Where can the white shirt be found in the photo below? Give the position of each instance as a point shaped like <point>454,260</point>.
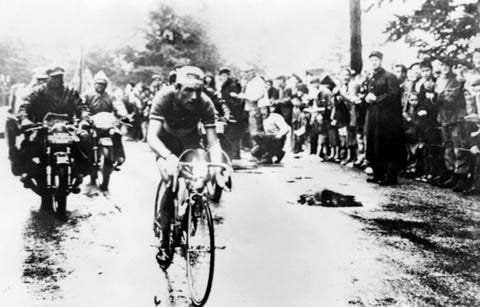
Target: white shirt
<point>274,124</point>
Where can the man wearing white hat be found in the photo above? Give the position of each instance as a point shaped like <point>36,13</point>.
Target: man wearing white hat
<point>270,144</point>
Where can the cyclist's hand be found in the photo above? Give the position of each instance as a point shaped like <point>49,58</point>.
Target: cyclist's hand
<point>219,178</point>
<point>171,165</point>
<point>25,124</point>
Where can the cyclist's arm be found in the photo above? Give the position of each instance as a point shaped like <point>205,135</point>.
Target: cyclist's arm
<point>213,144</point>
<point>153,138</point>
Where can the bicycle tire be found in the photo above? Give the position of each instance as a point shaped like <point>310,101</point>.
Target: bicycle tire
<point>199,299</point>
<point>156,208</point>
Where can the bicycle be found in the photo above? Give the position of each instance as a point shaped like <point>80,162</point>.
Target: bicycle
<point>192,229</point>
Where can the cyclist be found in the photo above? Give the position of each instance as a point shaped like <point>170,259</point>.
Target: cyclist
<point>173,127</point>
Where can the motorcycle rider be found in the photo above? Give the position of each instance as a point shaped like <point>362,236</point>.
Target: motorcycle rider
<point>173,127</point>
<point>99,100</point>
<point>53,97</point>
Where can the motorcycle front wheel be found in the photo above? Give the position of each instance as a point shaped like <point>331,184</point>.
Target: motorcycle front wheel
<point>60,199</point>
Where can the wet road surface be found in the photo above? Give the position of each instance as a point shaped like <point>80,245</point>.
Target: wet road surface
<point>283,239</point>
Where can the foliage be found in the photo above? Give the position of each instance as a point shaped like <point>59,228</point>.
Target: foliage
<point>174,40</point>
<point>438,27</point>
<point>15,61</point>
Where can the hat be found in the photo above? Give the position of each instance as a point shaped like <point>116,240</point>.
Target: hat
<point>40,73</point>
<point>315,80</point>
<point>57,71</point>
<point>263,102</point>
<point>328,82</point>
<point>377,54</point>
<point>224,70</point>
<point>296,77</point>
<point>476,82</point>
<point>449,61</point>
<point>190,76</point>
<point>100,77</point>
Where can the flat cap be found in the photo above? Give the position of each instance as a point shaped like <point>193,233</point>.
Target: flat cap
<point>476,82</point>
<point>224,70</point>
<point>377,54</point>
<point>315,80</point>
<point>56,71</point>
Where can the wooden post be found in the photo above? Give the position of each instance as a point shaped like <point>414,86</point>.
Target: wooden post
<point>80,70</point>
<point>355,36</point>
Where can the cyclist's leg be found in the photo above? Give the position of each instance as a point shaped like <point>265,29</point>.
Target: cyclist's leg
<point>166,215</point>
<point>167,200</point>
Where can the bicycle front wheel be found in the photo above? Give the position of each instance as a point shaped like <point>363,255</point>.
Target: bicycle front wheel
<point>200,256</point>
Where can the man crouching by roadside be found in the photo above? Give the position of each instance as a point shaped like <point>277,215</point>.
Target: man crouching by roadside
<point>270,143</point>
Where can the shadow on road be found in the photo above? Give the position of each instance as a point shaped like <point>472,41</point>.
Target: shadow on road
<point>44,237</point>
<point>442,231</point>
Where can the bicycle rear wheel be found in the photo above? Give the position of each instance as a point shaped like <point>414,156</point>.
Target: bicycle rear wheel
<point>200,253</point>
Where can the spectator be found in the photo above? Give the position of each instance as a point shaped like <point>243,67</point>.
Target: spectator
<point>452,109</point>
<point>385,134</point>
<point>270,144</point>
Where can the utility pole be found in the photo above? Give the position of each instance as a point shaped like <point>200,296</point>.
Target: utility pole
<point>80,69</point>
<point>355,36</point>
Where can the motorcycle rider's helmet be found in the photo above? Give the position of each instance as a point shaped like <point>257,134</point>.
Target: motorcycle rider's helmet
<point>190,76</point>
<point>100,77</point>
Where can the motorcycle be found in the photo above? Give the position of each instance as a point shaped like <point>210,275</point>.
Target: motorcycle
<point>55,180</point>
<point>104,130</point>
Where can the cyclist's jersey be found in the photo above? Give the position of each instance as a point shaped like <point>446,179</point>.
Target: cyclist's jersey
<point>179,117</point>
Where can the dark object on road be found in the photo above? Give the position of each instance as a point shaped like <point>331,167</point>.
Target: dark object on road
<point>329,198</point>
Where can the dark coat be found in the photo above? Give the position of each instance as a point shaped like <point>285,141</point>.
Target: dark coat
<point>385,128</point>
<point>451,102</point>
<point>44,99</point>
<point>273,93</point>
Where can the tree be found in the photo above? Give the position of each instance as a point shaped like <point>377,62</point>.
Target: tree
<point>174,40</point>
<point>16,61</point>
<point>116,64</point>
<point>438,28</point>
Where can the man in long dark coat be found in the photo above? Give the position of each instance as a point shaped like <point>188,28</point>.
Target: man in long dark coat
<point>386,146</point>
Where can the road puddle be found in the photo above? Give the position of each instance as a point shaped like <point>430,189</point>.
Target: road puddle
<point>328,198</point>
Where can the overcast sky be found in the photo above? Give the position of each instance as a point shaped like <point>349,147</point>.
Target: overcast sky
<point>285,35</point>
